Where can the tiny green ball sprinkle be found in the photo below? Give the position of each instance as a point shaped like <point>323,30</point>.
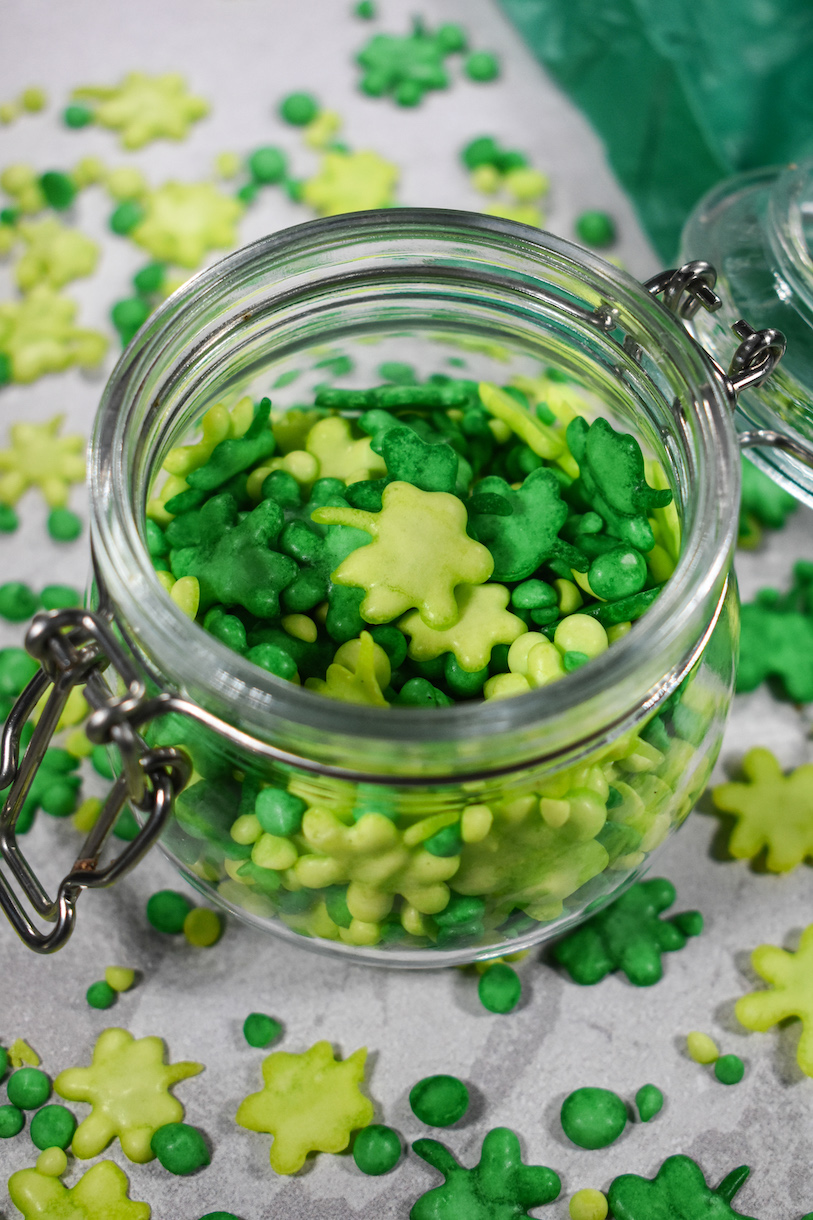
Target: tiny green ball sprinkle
<point>63,525</point>
<point>12,1121</point>
<point>595,229</point>
<point>167,910</point>
<point>593,1118</point>
<point>220,1216</point>
<point>28,1088</point>
<point>299,109</point>
<point>52,1127</point>
<point>58,189</point>
<point>180,1148</point>
<point>260,1030</point>
<point>365,9</point>
<point>267,165</point>
<point>729,1069</point>
<point>60,597</point>
<point>17,601</point>
<point>9,521</point>
<point>129,315</point>
<point>439,1101</point>
<point>499,988</point>
<point>447,842</point>
<point>649,1100</point>
<point>126,827</point>
<point>5,369</point>
<point>126,216</point>
<point>100,995</point>
<point>149,279</point>
<point>481,66</point>
<point>377,1149</point>
<point>77,116</point>
<point>279,812</point>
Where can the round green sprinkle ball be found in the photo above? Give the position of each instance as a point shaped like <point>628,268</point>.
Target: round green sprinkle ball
<point>220,1216</point>
<point>58,189</point>
<point>9,521</point>
<point>100,995</point>
<point>77,116</point>
<point>365,9</point>
<point>180,1148</point>
<point>150,278</point>
<point>260,1030</point>
<point>126,216</point>
<point>59,597</point>
<point>499,988</point>
<point>439,1101</point>
<point>167,910</point>
<point>279,812</point>
<point>595,229</point>
<point>128,316</point>
<point>5,369</point>
<point>617,573</point>
<point>649,1100</point>
<point>17,601</point>
<point>52,1127</point>
<point>447,842</point>
<point>12,1121</point>
<point>481,66</point>
<point>267,165</point>
<point>63,525</point>
<point>299,109</point>
<point>593,1118</point>
<point>377,1149</point>
<point>126,827</point>
<point>28,1088</point>
<point>729,1069</point>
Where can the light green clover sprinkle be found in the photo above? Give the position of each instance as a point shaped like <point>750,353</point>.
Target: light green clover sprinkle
<point>420,552</point>
<point>38,336</point>
<point>101,1194</point>
<point>39,457</point>
<point>144,108</point>
<point>357,676</point>
<point>184,221</point>
<point>484,621</point>
<point>772,811</point>
<point>351,182</point>
<point>340,454</point>
<point>54,255</point>
<point>790,976</point>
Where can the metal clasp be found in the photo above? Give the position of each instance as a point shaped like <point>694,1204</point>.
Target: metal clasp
<point>74,647</point>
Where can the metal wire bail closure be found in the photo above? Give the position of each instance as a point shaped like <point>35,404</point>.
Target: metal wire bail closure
<point>73,648</point>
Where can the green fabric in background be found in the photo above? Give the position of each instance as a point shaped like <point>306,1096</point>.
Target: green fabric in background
<point>682,92</point>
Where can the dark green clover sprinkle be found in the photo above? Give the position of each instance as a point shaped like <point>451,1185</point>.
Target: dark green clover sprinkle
<point>58,189</point>
<point>60,597</point>
<point>12,1121</point>
<point>180,1148</point>
<point>439,1101</point>
<point>649,1100</point>
<point>481,66</point>
<point>260,1030</point>
<point>267,165</point>
<point>397,372</point>
<point>28,1088</point>
<point>100,995</point>
<point>167,910</point>
<point>499,988</point>
<point>593,1118</point>
<point>149,279</point>
<point>77,116</point>
<point>17,601</point>
<point>126,216</point>
<point>52,1127</point>
<point>9,521</point>
<point>63,525</point>
<point>299,109</point>
<point>377,1149</point>
<point>450,37</point>
<point>729,1069</point>
<point>279,812</point>
<point>595,229</point>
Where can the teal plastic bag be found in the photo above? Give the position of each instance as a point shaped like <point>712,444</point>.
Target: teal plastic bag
<point>682,92</point>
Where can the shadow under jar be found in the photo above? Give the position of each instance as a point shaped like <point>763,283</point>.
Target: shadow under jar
<point>580,780</point>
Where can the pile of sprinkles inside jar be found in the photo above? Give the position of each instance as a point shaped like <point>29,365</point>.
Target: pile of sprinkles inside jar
<point>415,544</point>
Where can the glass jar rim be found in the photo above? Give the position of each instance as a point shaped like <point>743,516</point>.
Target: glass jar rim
<point>627,668</point>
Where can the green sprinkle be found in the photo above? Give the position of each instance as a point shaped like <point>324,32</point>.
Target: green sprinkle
<point>279,812</point>
<point>499,988</point>
<point>52,1127</point>
<point>60,597</point>
<point>12,1121</point>
<point>649,1100</point>
<point>299,109</point>
<point>17,601</point>
<point>439,1101</point>
<point>63,525</point>
<point>126,827</point>
<point>28,1088</point>
<point>180,1148</point>
<point>167,910</point>
<point>729,1069</point>
<point>58,189</point>
<point>397,372</point>
<point>365,9</point>
<point>9,521</point>
<point>3,1062</point>
<point>129,316</point>
<point>5,369</point>
<point>77,116</point>
<point>595,229</point>
<point>267,165</point>
<point>446,842</point>
<point>100,995</point>
<point>126,216</point>
<point>260,1030</point>
<point>481,66</point>
<point>377,1149</point>
<point>593,1118</point>
<point>149,279</point>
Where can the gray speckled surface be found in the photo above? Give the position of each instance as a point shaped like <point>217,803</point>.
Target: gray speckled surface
<point>243,54</point>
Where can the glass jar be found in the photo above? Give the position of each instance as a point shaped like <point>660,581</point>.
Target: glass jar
<point>757,231</point>
<point>559,796</point>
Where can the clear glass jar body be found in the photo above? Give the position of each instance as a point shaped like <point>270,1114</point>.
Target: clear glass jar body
<point>561,794</point>
<point>756,229</point>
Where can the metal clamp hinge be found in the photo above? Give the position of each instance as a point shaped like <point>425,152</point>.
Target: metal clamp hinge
<point>73,648</point>
<point>691,286</point>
